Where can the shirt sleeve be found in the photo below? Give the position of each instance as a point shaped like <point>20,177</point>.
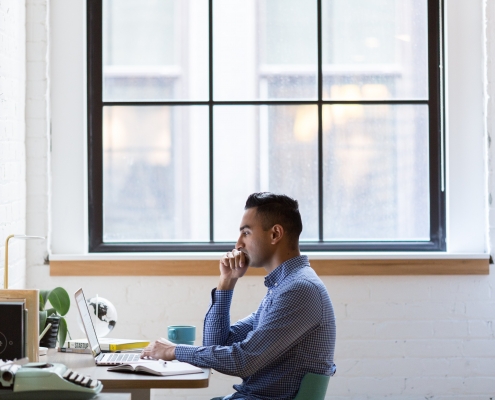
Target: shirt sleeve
<point>286,319</point>
<point>217,329</point>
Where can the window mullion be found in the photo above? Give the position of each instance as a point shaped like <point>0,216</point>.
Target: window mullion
<point>210,110</point>
<point>320,124</point>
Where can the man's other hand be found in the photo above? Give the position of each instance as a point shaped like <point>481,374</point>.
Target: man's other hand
<point>161,349</point>
<point>233,265</point>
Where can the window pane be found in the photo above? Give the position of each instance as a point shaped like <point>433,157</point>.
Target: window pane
<point>264,49</point>
<point>155,50</point>
<point>375,49</point>
<point>264,148</point>
<point>155,174</point>
<point>376,178</point>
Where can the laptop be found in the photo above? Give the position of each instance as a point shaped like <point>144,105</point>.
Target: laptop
<point>101,359</point>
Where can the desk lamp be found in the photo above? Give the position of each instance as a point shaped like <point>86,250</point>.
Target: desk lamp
<point>6,267</point>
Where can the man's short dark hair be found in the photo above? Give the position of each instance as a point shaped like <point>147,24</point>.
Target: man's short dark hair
<point>277,209</point>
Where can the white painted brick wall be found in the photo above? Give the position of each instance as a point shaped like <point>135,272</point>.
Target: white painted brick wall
<point>12,137</point>
<point>490,112</point>
<point>421,337</point>
<point>37,128</point>
<point>398,337</point>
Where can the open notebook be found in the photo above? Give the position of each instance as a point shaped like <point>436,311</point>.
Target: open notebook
<point>158,367</point>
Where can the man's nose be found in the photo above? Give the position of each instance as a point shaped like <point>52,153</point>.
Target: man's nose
<point>239,243</point>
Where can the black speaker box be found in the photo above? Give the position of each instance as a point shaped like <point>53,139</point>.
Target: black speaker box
<point>12,330</point>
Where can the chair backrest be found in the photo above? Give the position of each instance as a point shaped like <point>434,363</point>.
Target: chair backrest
<point>313,387</point>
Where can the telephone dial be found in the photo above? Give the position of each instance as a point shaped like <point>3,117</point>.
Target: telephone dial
<point>40,381</point>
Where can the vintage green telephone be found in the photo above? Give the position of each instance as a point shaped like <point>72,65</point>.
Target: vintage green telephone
<point>39,381</point>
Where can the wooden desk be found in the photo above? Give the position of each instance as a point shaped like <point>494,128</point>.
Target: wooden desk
<point>138,385</point>
<point>112,396</point>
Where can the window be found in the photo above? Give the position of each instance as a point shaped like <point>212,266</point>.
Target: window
<point>195,104</point>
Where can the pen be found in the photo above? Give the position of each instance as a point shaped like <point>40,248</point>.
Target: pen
<point>71,350</point>
<point>137,351</point>
<point>48,326</point>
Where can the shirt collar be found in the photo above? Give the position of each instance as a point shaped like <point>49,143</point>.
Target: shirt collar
<point>275,277</point>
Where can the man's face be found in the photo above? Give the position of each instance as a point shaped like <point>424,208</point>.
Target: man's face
<point>253,241</point>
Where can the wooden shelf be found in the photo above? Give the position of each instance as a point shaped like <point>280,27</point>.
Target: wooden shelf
<point>322,267</point>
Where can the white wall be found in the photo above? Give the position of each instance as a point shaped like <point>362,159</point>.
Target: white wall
<point>37,129</point>
<point>465,131</point>
<point>490,111</point>
<point>12,137</point>
<point>398,337</point>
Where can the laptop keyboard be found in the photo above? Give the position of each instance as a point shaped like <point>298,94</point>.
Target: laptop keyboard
<point>123,357</point>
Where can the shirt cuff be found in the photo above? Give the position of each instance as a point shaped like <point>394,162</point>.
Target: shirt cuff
<point>220,301</point>
<point>185,353</point>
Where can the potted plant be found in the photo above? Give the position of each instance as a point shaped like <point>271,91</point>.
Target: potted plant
<point>54,305</point>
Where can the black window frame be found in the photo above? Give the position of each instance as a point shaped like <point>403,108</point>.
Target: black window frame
<point>436,144</point>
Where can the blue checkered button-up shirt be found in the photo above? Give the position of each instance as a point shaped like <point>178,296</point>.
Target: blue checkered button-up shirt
<point>291,333</point>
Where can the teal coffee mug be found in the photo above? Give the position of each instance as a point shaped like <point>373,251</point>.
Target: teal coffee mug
<point>182,334</point>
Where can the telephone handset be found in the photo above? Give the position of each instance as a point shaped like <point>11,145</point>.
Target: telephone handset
<point>39,381</point>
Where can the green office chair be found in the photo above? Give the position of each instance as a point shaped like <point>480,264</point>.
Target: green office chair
<point>313,387</point>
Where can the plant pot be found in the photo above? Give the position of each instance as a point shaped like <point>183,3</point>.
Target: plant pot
<point>50,338</point>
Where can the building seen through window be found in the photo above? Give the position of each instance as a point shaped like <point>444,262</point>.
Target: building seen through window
<point>374,174</point>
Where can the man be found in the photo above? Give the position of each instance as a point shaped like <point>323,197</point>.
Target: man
<point>293,330</point>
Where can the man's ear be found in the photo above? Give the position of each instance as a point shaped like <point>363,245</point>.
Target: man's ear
<point>277,233</point>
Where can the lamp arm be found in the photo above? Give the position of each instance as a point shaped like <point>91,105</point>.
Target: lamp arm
<point>6,266</point>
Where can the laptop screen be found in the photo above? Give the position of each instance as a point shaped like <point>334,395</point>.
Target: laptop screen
<point>88,324</point>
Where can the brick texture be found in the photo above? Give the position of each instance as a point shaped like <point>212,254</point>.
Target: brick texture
<point>12,137</point>
<point>37,128</point>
